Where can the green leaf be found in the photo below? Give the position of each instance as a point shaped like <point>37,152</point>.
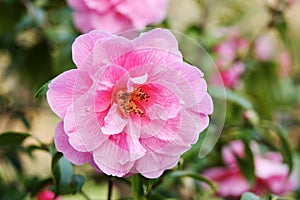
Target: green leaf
<point>250,196</point>
<point>42,91</point>
<point>246,164</point>
<point>238,99</point>
<point>63,174</point>
<point>9,139</point>
<point>77,182</point>
<point>285,149</point>
<point>230,96</point>
<point>181,174</point>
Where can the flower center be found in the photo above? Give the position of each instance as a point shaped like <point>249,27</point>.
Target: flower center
<point>131,102</point>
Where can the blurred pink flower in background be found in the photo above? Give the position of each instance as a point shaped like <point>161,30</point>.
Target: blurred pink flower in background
<point>263,48</point>
<point>117,15</point>
<point>231,76</point>
<point>271,174</point>
<point>47,195</point>
<point>227,54</point>
<point>291,2</point>
<point>285,63</point>
<point>131,106</point>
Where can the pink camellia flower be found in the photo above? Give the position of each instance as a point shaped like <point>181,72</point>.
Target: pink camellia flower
<point>47,195</point>
<point>263,48</point>
<point>117,15</point>
<point>131,106</point>
<point>271,174</point>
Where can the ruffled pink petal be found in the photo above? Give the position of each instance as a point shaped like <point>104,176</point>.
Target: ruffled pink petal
<point>129,141</point>
<point>156,47</point>
<point>105,84</point>
<point>152,165</point>
<point>164,147</point>
<point>109,77</point>
<point>60,92</point>
<point>109,51</point>
<point>86,122</point>
<point>205,106</point>
<point>112,158</point>
<point>83,46</point>
<point>114,123</point>
<point>62,145</point>
<point>169,78</point>
<point>162,104</point>
<point>158,39</point>
<point>194,77</point>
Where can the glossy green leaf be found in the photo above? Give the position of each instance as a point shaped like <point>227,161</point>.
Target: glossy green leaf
<point>63,174</point>
<point>250,196</point>
<point>9,139</point>
<point>42,91</point>
<point>196,176</point>
<point>77,182</point>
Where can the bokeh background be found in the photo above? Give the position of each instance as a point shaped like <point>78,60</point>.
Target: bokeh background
<point>35,46</point>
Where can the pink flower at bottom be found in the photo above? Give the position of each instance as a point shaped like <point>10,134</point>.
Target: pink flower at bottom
<point>117,15</point>
<point>47,195</point>
<point>131,106</point>
<point>271,174</point>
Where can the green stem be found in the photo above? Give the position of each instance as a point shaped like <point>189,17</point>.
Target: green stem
<point>137,187</point>
<point>110,187</point>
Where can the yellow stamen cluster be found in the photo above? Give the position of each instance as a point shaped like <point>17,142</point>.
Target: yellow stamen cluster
<point>127,101</point>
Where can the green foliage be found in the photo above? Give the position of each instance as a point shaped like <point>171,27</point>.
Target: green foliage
<point>66,182</point>
<point>250,196</point>
<point>196,176</point>
<point>42,91</point>
<point>12,139</point>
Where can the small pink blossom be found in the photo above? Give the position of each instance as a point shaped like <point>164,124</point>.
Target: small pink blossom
<point>291,2</point>
<point>263,48</point>
<point>230,77</point>
<point>47,195</point>
<point>131,106</point>
<point>227,54</point>
<point>271,174</point>
<point>117,15</point>
<point>285,63</point>
<point>228,51</point>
